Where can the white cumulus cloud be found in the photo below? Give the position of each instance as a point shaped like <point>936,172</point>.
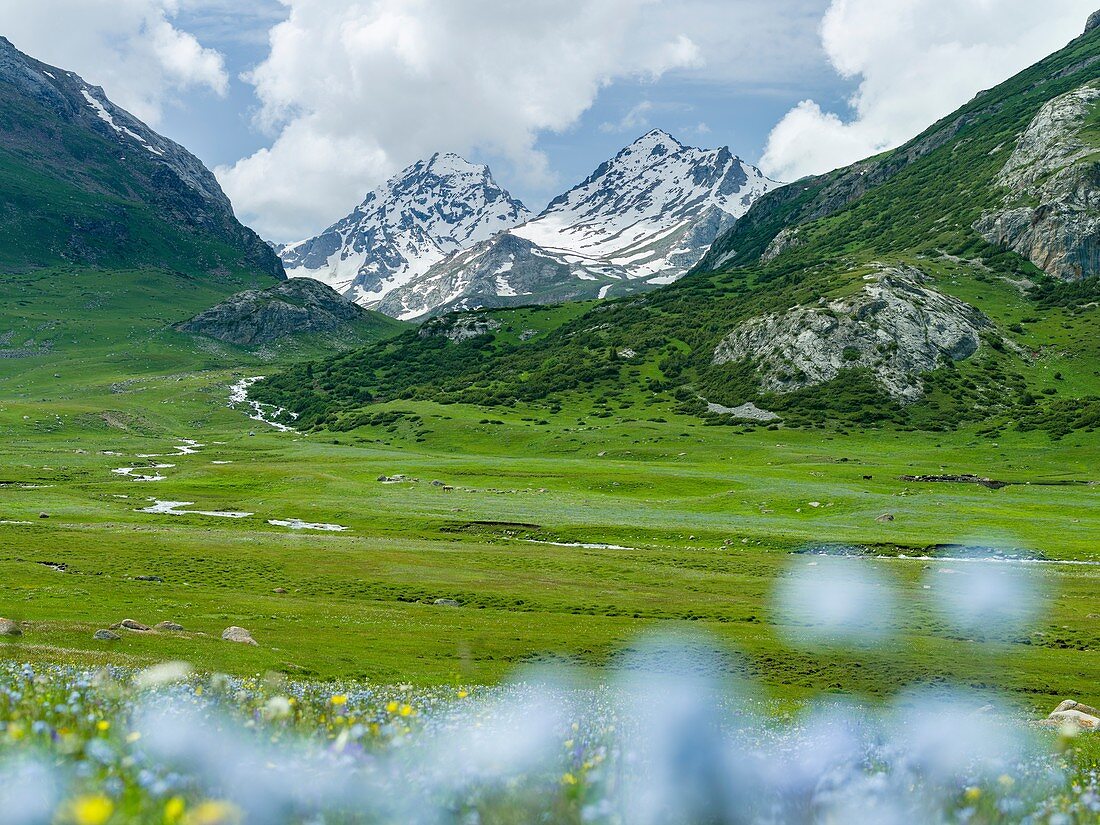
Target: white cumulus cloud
<point>129,47</point>
<point>354,90</point>
<point>917,61</point>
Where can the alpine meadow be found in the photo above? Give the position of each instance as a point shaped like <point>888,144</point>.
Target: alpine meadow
<point>696,496</point>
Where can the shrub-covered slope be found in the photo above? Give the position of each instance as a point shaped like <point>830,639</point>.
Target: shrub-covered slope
<point>978,332</point>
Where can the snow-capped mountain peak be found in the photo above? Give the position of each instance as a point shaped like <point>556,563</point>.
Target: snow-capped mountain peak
<point>428,211</point>
<point>653,189</point>
<point>431,237</point>
<point>642,218</point>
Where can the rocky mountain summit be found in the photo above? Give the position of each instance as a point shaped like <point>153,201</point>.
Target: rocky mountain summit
<point>1051,214</point>
<point>84,181</point>
<point>300,306</point>
<point>428,211</point>
<point>641,219</point>
<point>898,326</point>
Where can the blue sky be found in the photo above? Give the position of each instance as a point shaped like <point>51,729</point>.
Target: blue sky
<point>303,106</point>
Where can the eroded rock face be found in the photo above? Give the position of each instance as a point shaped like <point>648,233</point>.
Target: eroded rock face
<point>1052,213</point>
<point>897,326</point>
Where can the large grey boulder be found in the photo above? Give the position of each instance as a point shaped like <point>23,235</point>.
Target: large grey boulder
<point>9,628</point>
<point>1093,22</point>
<point>898,326</point>
<point>1051,213</point>
<point>106,636</point>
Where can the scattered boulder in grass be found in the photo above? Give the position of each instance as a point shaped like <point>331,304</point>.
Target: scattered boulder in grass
<point>10,629</point>
<point>131,624</point>
<point>279,590</point>
<point>1073,704</point>
<point>106,636</point>
<point>239,635</point>
<point>885,518</point>
<point>1073,715</point>
<point>168,627</point>
<point>43,515</point>
<point>446,603</point>
<point>1083,721</point>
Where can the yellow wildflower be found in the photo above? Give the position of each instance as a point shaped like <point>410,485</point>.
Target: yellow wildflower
<point>102,725</point>
<point>213,812</point>
<point>339,700</point>
<point>973,794</point>
<point>93,809</point>
<point>406,710</point>
<point>568,779</point>
<point>173,810</point>
<point>391,707</point>
<point>462,694</point>
<point>15,731</point>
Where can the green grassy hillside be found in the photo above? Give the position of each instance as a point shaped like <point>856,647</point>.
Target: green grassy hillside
<point>84,183</point>
<point>1037,367</point>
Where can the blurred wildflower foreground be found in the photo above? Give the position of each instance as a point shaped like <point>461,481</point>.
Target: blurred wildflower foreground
<point>671,734</point>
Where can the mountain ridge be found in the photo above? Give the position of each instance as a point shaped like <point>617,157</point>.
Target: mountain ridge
<point>642,219</point>
<point>88,183</point>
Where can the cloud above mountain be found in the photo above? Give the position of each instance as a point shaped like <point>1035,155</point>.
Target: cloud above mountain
<point>917,61</point>
<point>354,89</point>
<point>130,47</point>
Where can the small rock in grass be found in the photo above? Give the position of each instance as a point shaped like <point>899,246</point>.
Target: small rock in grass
<point>170,627</point>
<point>446,603</point>
<point>148,579</point>
<point>106,636</point>
<point>885,518</point>
<point>239,635</point>
<point>43,515</point>
<point>10,628</point>
<point>131,624</point>
<point>279,590</point>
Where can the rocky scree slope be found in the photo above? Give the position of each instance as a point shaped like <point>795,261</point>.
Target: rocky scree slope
<point>294,308</point>
<point>641,219</point>
<point>811,246</point>
<point>428,211</point>
<point>84,182</point>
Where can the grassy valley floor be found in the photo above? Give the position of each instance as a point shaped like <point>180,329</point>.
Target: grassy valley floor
<point>559,535</point>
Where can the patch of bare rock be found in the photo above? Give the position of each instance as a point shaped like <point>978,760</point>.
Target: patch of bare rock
<point>238,635</point>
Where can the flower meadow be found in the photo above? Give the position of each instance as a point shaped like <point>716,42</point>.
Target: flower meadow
<point>667,741</point>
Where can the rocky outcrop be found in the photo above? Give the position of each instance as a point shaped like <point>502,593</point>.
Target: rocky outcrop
<point>787,239</point>
<point>1051,215</point>
<point>1093,22</point>
<point>897,326</point>
<point>300,306</point>
<point>10,628</point>
<point>459,328</point>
